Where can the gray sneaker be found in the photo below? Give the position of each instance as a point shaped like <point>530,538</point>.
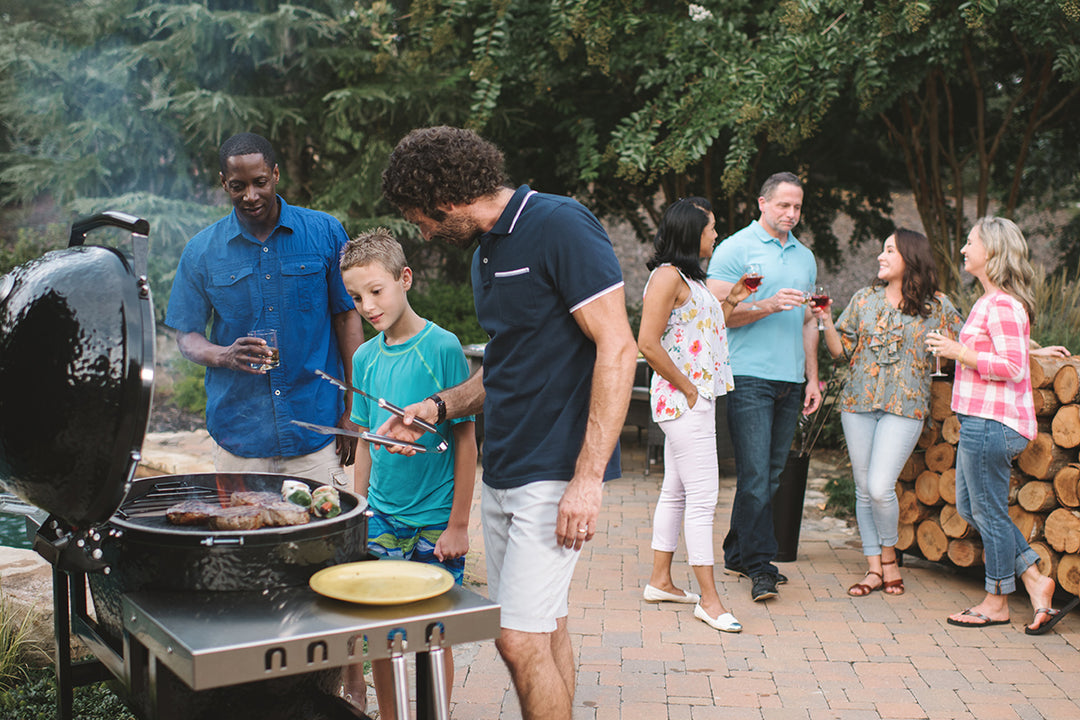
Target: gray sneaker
<point>738,571</point>
<point>764,588</point>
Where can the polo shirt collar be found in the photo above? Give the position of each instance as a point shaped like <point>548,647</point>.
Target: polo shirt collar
<point>763,235</point>
<point>505,224</point>
<point>287,219</point>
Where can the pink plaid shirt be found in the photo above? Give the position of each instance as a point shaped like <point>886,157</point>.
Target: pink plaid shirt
<point>999,387</point>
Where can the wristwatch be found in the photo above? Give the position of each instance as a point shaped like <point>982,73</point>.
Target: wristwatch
<point>440,407</point>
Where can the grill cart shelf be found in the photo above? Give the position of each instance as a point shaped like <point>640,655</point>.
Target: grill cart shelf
<point>214,640</point>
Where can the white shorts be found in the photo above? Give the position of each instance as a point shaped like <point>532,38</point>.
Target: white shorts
<point>529,572</point>
<point>322,466</point>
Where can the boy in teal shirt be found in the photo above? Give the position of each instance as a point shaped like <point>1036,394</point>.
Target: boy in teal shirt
<point>420,505</point>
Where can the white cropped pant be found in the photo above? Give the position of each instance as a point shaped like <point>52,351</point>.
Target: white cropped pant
<point>691,484</point>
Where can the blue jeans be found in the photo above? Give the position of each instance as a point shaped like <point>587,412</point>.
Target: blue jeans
<point>879,443</point>
<point>983,462</point>
<point>762,416</point>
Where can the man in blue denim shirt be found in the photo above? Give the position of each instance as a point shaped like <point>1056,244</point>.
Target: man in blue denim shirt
<point>268,265</point>
<point>773,346</point>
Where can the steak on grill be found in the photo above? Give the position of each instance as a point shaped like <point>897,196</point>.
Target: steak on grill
<point>191,512</point>
<point>237,517</point>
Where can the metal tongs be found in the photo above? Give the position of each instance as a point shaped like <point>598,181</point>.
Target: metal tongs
<point>390,407</point>
<point>364,435</point>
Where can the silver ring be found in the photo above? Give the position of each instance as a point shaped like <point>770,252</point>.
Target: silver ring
<point>583,530</point>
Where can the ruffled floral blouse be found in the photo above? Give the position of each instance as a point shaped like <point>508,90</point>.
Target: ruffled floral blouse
<point>889,364</point>
<point>696,340</point>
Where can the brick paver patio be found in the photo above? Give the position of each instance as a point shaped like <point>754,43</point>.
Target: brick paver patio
<point>812,653</point>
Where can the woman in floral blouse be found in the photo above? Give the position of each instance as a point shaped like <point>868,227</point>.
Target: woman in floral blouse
<point>684,340</point>
<point>882,335</point>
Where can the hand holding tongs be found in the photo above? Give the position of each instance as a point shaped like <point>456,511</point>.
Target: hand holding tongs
<point>389,406</point>
<point>364,435</point>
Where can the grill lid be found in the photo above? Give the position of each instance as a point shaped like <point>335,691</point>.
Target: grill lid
<point>76,374</point>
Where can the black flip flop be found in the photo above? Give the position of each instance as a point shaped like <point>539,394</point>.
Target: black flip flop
<point>1055,617</point>
<point>984,620</point>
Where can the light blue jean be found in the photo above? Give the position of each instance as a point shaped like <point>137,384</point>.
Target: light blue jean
<point>879,443</point>
<point>983,462</point>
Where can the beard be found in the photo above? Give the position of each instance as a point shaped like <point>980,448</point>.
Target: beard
<point>459,231</point>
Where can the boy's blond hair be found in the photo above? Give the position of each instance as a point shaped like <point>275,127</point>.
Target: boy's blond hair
<point>374,246</point>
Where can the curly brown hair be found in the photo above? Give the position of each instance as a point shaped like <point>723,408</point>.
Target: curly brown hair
<point>441,165</point>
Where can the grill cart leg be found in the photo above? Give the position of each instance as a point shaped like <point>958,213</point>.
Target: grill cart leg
<point>401,673</point>
<point>70,674</point>
<point>432,702</point>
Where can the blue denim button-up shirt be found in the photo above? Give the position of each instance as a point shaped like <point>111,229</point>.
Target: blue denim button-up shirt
<point>290,283</point>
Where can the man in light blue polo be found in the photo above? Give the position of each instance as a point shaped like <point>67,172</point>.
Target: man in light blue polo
<point>773,339</point>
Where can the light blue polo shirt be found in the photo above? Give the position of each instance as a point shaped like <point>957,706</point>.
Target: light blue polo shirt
<point>770,348</point>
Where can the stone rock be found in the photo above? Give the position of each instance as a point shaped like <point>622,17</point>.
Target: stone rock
<point>26,587</point>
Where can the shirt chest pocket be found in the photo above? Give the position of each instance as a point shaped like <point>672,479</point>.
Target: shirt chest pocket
<point>304,283</point>
<point>231,293</point>
<point>517,294</point>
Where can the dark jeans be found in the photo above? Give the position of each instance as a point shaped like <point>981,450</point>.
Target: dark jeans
<point>762,416</point>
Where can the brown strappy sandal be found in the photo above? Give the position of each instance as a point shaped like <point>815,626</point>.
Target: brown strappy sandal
<point>860,589</point>
<point>892,587</point>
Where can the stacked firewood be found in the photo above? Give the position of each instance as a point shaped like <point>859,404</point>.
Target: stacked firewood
<point>1044,492</point>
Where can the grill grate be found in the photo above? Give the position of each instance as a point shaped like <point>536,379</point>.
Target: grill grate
<point>163,496</point>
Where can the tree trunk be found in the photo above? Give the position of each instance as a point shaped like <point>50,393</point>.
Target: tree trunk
<point>950,430</point>
<point>1037,496</point>
<point>1067,485</point>
<point>1067,381</point>
<point>1068,574</point>
<point>911,510</point>
<point>940,399</point>
<point>1044,369</point>
<point>1030,525</point>
<point>1046,402</point>
<point>952,524</point>
<point>1048,559</point>
<point>931,539</point>
<point>915,464</point>
<point>930,434</point>
<point>940,457</point>
<point>1065,428</point>
<point>1063,530</point>
<point>947,486</point>
<point>1041,459</point>
<point>926,488</point>
<point>905,536</point>
<point>965,552</point>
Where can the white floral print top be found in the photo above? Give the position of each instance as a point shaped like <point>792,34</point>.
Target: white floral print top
<point>696,340</point>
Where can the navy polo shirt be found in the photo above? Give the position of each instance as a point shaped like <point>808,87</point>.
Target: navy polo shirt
<point>545,257</point>
<point>290,283</point>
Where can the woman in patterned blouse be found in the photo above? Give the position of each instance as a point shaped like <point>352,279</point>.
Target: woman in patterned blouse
<point>882,334</point>
<point>684,340</point>
<point>993,399</point>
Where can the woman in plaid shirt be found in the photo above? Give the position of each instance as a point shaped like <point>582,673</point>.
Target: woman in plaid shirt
<point>992,397</point>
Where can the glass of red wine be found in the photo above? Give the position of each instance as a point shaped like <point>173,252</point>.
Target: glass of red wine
<point>819,297</point>
<point>753,278</point>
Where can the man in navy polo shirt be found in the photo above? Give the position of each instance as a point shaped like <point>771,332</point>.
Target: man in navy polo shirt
<point>554,388</point>
<point>267,265</point>
<point>773,348</point>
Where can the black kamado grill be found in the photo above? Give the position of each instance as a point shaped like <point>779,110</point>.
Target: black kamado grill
<point>189,623</point>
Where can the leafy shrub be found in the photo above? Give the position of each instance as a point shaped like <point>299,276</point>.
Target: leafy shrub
<point>35,699</point>
<point>30,244</point>
<point>840,496</point>
<point>13,644</point>
<point>189,390</point>
<point>451,307</point>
